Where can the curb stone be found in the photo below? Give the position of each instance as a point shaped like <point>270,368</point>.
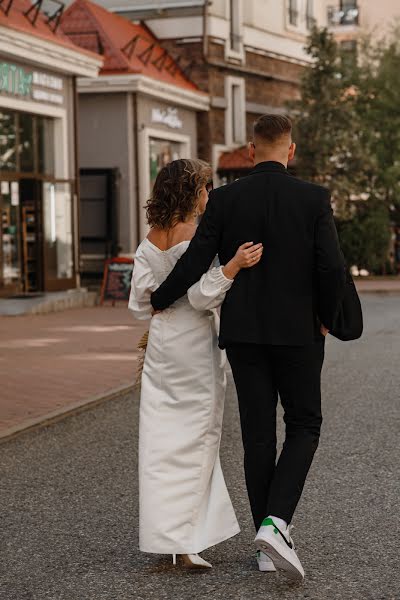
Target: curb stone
<point>63,412</point>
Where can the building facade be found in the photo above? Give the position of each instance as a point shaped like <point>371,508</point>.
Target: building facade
<point>38,174</point>
<point>349,19</point>
<point>246,54</point>
<point>138,115</point>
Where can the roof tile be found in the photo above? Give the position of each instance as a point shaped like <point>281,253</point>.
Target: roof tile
<point>16,19</point>
<point>127,47</point>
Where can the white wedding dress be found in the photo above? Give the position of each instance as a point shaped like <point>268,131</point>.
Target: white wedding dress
<point>183,500</point>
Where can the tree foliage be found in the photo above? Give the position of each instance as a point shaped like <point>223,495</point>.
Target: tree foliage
<point>348,134</point>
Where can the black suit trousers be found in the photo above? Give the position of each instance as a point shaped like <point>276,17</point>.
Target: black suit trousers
<point>261,373</point>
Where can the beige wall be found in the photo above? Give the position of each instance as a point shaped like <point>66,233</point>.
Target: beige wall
<point>379,15</point>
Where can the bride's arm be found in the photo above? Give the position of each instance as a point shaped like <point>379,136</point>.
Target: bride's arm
<point>142,285</point>
<point>211,290</point>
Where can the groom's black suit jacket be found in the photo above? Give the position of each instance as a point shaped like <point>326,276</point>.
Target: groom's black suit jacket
<point>300,278</point>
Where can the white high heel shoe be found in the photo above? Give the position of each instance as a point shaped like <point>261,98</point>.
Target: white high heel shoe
<point>192,561</point>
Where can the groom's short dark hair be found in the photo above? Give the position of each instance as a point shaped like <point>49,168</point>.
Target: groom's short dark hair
<point>271,127</point>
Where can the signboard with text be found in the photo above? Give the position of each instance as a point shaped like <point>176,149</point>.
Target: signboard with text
<point>117,279</point>
<point>27,84</point>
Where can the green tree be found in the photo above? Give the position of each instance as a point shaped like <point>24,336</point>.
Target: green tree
<point>327,124</point>
<point>365,237</point>
<point>341,145</point>
<point>378,108</point>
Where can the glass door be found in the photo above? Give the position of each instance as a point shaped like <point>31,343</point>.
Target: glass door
<point>58,237</point>
<point>10,240</point>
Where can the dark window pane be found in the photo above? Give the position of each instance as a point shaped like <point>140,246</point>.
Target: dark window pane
<point>8,130</point>
<point>293,12</point>
<point>45,128</point>
<point>26,142</point>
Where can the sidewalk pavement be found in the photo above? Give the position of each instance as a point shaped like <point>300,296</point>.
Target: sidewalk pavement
<point>378,285</point>
<point>56,363</point>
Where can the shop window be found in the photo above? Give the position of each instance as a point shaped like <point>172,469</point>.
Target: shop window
<point>45,141</point>
<point>293,13</point>
<point>9,202</point>
<point>162,152</point>
<point>58,238</point>
<point>26,142</point>
<point>8,143</point>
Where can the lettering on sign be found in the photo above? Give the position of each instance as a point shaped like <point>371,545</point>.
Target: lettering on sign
<point>168,116</point>
<point>43,96</point>
<point>117,279</point>
<point>42,87</point>
<point>49,81</point>
<point>15,80</point>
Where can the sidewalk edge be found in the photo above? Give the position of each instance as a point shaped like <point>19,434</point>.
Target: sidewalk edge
<point>64,412</point>
<point>377,291</point>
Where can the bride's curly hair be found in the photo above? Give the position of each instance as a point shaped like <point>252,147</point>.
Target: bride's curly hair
<point>176,192</point>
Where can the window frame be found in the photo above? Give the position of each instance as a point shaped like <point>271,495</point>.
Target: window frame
<point>230,84</point>
<point>230,50</point>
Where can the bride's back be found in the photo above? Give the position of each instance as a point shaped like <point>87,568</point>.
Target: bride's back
<point>165,239</point>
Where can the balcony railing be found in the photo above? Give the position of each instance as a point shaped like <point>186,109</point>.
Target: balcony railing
<point>345,16</point>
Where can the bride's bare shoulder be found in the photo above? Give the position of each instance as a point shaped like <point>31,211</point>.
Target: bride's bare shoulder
<point>164,239</point>
<point>183,231</point>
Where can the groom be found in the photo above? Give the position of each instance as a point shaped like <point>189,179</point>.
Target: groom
<point>273,321</point>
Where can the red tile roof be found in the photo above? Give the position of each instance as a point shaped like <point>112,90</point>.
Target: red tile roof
<point>127,47</point>
<point>17,20</point>
<point>235,160</point>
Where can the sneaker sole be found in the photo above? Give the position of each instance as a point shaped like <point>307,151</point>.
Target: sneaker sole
<point>266,569</point>
<point>280,563</point>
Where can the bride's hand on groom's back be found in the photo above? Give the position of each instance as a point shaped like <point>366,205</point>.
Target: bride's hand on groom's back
<point>248,255</point>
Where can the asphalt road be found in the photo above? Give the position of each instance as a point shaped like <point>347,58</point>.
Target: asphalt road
<point>69,514</point>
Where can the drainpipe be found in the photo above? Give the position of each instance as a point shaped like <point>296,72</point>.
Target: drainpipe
<point>76,195</point>
<point>205,32</point>
<point>136,166</point>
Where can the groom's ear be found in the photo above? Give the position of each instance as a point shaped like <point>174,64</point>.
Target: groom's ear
<point>252,151</point>
<point>292,151</point>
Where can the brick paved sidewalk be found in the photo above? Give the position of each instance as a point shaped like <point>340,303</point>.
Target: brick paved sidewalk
<point>378,285</point>
<point>53,363</point>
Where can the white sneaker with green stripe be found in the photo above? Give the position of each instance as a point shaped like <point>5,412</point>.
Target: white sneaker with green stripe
<point>264,562</point>
<point>279,546</point>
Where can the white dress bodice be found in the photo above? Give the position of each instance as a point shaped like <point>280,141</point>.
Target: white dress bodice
<point>152,266</point>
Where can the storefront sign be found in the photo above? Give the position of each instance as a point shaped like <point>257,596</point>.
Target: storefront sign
<point>169,117</point>
<point>17,81</point>
<point>117,279</point>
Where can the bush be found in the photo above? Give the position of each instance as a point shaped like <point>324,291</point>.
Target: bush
<point>365,238</point>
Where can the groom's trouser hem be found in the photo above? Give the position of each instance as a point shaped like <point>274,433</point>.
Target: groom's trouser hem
<point>260,373</point>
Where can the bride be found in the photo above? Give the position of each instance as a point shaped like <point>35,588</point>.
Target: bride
<point>183,500</point>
